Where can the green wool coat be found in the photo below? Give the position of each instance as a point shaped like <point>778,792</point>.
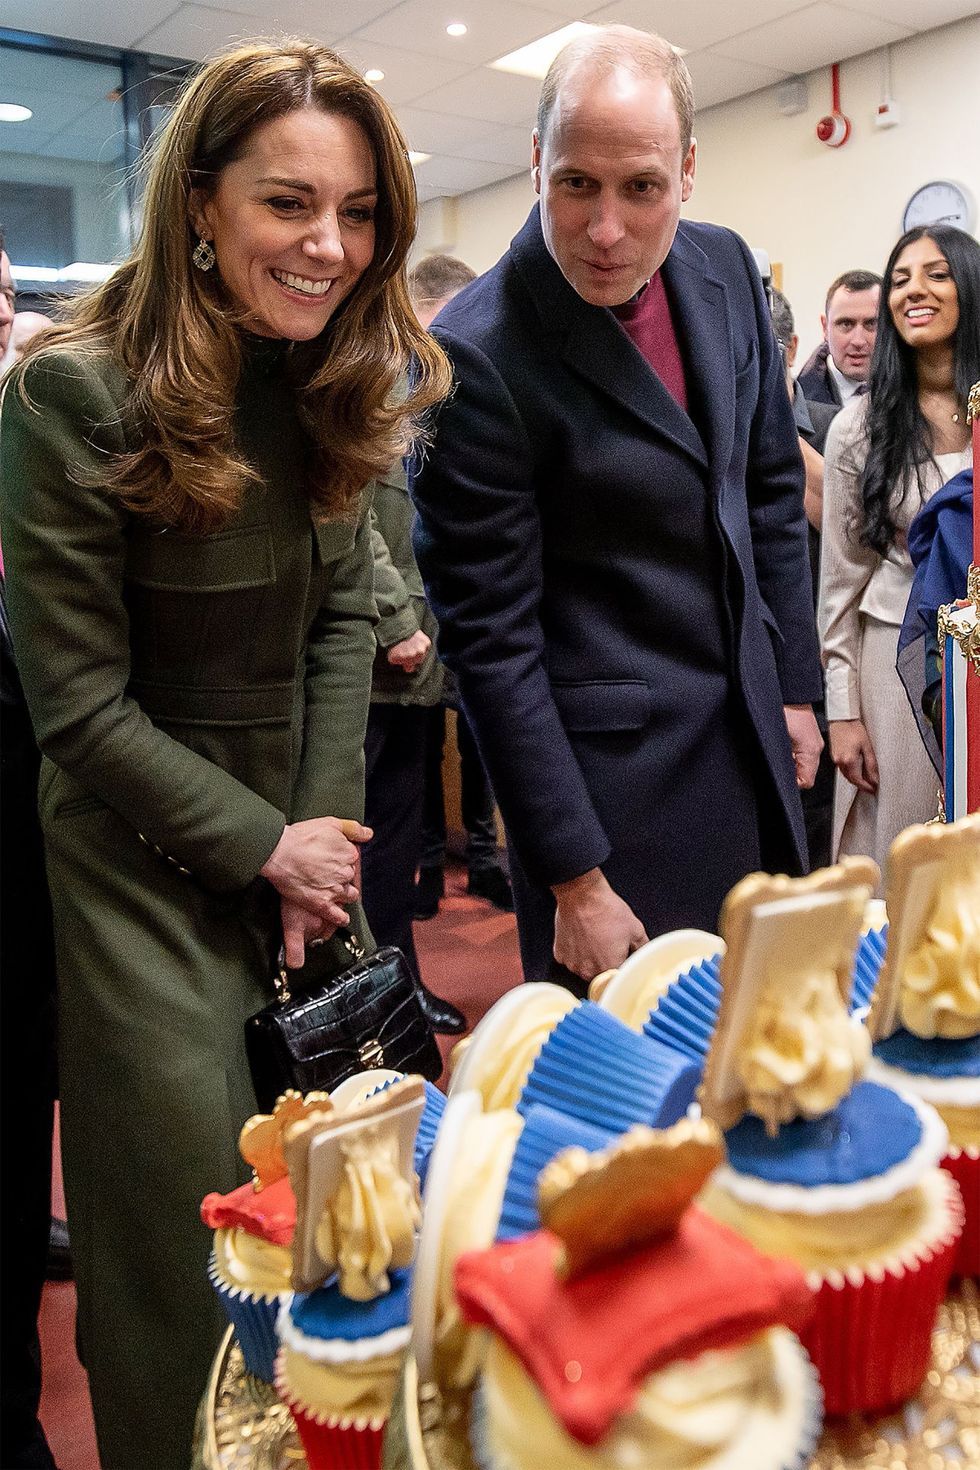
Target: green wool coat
<point>190,695</point>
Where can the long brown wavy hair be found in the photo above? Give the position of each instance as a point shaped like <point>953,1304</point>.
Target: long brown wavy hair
<point>176,332</point>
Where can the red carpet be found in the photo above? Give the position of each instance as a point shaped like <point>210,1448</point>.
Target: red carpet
<point>467,953</point>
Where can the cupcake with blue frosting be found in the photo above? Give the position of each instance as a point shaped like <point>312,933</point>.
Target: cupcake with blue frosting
<point>345,1333</point>
<point>832,1171</point>
<point>925,1012</point>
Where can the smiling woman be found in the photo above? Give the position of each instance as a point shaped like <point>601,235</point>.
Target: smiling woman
<point>887,454</point>
<point>190,587</point>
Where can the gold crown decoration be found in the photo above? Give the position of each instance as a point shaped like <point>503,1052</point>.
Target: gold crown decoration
<point>260,1141</point>
<point>785,986</point>
<point>630,1194</point>
<point>925,864</point>
<point>357,1199</point>
<point>973,404</point>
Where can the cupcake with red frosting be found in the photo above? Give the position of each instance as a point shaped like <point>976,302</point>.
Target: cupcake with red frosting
<point>634,1330</point>
<point>251,1262</point>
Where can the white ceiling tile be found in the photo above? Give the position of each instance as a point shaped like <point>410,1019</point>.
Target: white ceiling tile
<point>494,28</point>
<point>813,37</point>
<point>494,96</point>
<point>21,138</point>
<point>319,18</point>
<point>693,23</point>
<point>115,24</point>
<point>429,132</point>
<point>407,74</point>
<point>458,176</point>
<point>921,15</point>
<point>194,31</point>
<point>718,78</point>
<point>39,72</point>
<point>500,145</point>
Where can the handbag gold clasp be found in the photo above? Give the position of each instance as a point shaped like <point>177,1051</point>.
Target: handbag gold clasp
<point>371,1054</point>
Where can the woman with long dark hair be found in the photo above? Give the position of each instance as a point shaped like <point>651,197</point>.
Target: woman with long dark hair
<point>190,584</point>
<point>886,454</point>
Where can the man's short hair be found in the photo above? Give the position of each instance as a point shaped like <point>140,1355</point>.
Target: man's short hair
<point>851,281</point>
<point>641,52</point>
<point>437,277</point>
<point>782,317</point>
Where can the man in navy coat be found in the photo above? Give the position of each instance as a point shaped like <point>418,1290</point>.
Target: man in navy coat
<point>612,535</point>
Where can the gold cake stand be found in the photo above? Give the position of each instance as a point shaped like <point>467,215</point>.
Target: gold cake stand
<point>246,1428</point>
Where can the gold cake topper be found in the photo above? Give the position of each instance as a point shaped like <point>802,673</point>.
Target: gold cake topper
<point>627,1195</point>
<point>930,978</point>
<point>260,1141</point>
<point>357,1197</point>
<point>784,1045</point>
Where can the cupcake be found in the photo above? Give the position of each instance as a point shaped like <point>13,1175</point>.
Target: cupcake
<point>595,1068</point>
<point>251,1263</point>
<point>835,1173</point>
<point>545,1134</point>
<point>357,1089</point>
<point>634,1330</point>
<point>357,1215</point>
<point>632,991</point>
<point>496,1059</point>
<point>925,1014</point>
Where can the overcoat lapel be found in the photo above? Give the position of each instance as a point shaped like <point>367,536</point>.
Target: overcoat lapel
<point>594,345</point>
<point>700,312</point>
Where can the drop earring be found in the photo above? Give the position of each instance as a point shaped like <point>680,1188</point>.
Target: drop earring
<point>203,256</point>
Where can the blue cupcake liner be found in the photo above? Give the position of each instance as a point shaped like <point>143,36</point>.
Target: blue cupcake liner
<point>686,1015</point>
<point>545,1134</point>
<point>867,967</point>
<point>425,1138</point>
<point>254,1321</point>
<point>596,1068</point>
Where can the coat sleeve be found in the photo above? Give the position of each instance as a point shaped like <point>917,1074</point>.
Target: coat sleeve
<point>846,567</point>
<point>397,618</point>
<point>478,545</point>
<point>339,656</point>
<point>774,489</point>
<point>64,544</point>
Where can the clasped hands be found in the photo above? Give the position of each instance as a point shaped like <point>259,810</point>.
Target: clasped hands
<point>316,869</point>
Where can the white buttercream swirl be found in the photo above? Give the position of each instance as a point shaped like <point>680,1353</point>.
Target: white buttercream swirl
<point>939,994</point>
<point>368,1227</point>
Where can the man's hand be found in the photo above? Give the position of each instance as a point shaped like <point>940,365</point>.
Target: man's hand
<point>409,654</point>
<point>853,754</point>
<point>594,929</point>
<point>806,741</point>
<point>315,865</point>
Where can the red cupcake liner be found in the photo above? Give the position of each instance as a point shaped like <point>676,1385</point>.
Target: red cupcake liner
<point>965,1169</point>
<point>870,1339</point>
<point>337,1446</point>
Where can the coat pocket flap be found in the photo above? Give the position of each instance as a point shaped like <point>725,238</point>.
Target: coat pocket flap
<point>227,562</point>
<point>603,704</point>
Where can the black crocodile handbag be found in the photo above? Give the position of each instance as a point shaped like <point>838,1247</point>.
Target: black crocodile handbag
<point>369,1015</point>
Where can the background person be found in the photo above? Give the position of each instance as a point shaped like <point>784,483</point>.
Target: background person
<point>191,600</point>
<point>885,457</point>
<point>839,368</point>
<point>28,1080</point>
<point>433,284</point>
<point>612,535</point>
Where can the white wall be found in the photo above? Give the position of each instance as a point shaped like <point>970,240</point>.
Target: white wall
<point>817,210</point>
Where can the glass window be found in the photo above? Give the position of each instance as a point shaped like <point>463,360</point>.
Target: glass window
<point>63,195</point>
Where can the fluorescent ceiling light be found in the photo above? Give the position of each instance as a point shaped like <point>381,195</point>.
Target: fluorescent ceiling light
<point>534,60</point>
<point>457,28</point>
<point>79,270</point>
<point>374,74</point>
<point>13,112</point>
<point>416,158</point>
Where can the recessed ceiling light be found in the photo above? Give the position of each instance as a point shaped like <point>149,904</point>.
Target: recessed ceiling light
<point>373,74</point>
<point>416,158</point>
<point>457,28</point>
<point>11,112</point>
<point>534,60</point>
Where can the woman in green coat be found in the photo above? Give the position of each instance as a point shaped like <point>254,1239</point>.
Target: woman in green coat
<point>190,583</point>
